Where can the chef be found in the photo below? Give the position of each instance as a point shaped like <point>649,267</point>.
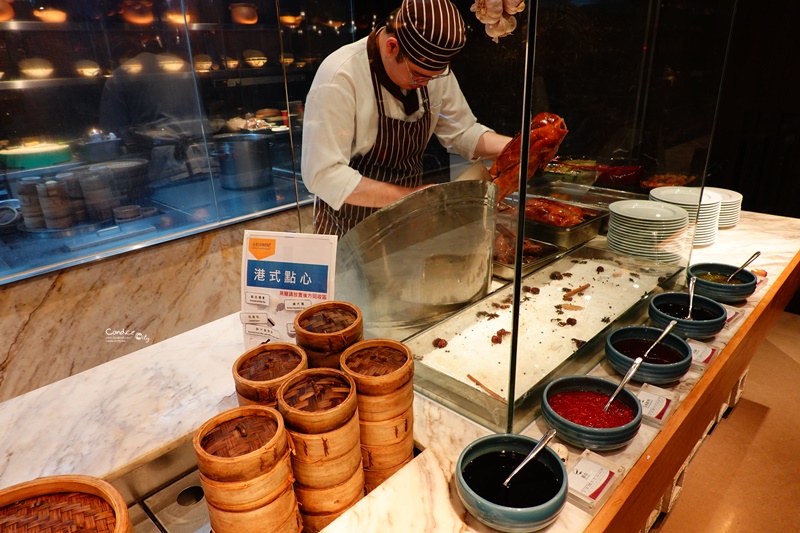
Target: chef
<point>374,105</point>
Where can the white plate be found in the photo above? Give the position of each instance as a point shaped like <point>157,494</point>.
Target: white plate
<point>727,195</point>
<point>647,210</point>
<point>656,247</point>
<point>630,227</point>
<point>662,257</point>
<point>684,195</point>
<point>645,235</point>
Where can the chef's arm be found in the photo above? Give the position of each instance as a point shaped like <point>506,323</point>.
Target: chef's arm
<point>490,144</point>
<point>372,193</point>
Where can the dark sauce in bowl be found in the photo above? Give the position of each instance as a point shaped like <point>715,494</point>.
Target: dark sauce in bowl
<point>661,354</point>
<point>680,310</point>
<point>533,485</point>
<point>586,409</point>
<point>716,277</point>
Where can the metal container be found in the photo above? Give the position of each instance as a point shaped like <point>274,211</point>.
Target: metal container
<point>565,237</point>
<point>419,259</point>
<point>585,194</point>
<point>550,252</point>
<point>244,160</point>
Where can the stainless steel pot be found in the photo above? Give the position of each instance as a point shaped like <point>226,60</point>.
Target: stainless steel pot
<point>244,160</point>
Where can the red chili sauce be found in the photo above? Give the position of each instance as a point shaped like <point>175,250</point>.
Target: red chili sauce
<point>586,408</point>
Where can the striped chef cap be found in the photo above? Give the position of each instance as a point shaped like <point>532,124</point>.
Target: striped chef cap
<point>430,32</point>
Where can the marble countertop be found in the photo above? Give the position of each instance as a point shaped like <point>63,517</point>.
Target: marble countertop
<point>112,418</point>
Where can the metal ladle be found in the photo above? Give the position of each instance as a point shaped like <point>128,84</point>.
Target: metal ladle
<point>637,363</point>
<point>692,282</point>
<point>534,452</point>
<point>752,258</point>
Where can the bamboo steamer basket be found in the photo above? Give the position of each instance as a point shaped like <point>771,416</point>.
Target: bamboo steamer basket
<point>373,478</point>
<point>388,432</point>
<point>386,456</point>
<point>378,366</point>
<point>329,326</point>
<point>325,359</point>
<point>269,518</point>
<point>258,373</point>
<point>317,400</point>
<point>332,499</point>
<point>240,444</point>
<point>325,474</point>
<point>63,503</point>
<point>245,495</point>
<point>314,523</point>
<point>386,406</point>
<point>315,447</point>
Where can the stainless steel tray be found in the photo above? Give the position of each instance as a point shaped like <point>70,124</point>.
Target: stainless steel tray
<point>585,194</point>
<point>550,252</point>
<point>569,237</point>
<point>545,349</point>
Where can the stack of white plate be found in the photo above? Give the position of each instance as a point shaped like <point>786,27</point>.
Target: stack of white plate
<point>705,210</point>
<point>647,229</point>
<point>731,207</point>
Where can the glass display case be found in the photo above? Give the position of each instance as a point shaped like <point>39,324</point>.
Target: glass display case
<point>127,124</point>
<point>90,170</point>
<point>637,85</point>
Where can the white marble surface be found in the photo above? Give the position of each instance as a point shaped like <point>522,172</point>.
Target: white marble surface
<point>114,417</point>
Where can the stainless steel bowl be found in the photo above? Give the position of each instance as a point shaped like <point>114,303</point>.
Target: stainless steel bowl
<point>419,259</point>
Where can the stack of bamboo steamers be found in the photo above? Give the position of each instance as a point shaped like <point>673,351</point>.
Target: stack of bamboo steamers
<point>319,425</point>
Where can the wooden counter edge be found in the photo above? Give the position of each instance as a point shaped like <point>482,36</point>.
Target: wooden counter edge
<point>642,488</point>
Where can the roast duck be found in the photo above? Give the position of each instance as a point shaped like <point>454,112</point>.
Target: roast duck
<point>547,132</point>
<point>505,242</point>
<point>552,212</point>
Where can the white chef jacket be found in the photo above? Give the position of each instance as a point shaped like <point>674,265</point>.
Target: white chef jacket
<point>341,121</point>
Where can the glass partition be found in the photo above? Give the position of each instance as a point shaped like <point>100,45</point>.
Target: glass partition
<point>635,82</point>
<point>131,123</point>
<point>637,85</point>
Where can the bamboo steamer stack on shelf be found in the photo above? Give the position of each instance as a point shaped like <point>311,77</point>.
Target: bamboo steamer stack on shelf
<point>326,329</point>
<point>245,470</point>
<point>259,372</point>
<point>321,413</point>
<point>28,196</point>
<point>101,194</point>
<point>63,503</point>
<point>56,204</point>
<point>383,371</point>
<point>75,195</point>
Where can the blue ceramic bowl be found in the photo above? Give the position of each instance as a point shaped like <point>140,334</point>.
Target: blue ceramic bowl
<point>695,328</point>
<point>723,292</point>
<point>588,437</point>
<point>655,373</point>
<point>510,519</point>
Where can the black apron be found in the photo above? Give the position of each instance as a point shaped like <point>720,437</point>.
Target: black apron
<point>395,158</point>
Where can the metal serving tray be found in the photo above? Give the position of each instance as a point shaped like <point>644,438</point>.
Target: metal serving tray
<point>550,252</point>
<point>545,349</point>
<point>585,194</point>
<point>569,237</point>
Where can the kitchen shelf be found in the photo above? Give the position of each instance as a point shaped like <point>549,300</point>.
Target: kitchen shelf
<point>48,83</point>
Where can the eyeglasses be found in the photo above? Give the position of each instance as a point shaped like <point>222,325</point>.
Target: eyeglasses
<point>424,79</point>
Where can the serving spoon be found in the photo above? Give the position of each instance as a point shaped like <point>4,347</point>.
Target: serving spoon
<point>692,282</point>
<point>637,363</point>
<point>534,452</point>
<point>752,258</point>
